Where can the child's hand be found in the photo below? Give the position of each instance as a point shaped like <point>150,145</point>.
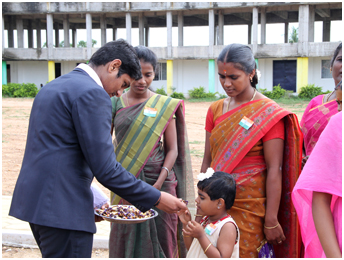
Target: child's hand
<point>184,216</point>
<point>194,229</point>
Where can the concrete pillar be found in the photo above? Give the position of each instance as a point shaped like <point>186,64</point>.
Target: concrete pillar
<point>114,33</point>
<point>89,34</point>
<point>4,72</point>
<point>50,34</point>
<point>286,32</point>
<point>169,33</point>
<point>254,30</point>
<point>301,73</point>
<point>146,36</point>
<point>180,29</point>
<point>57,35</point>
<point>128,26</point>
<point>103,29</point>
<point>38,34</point>
<point>311,23</point>
<point>3,35</point>
<point>10,34</point>
<point>326,30</point>
<point>30,34</point>
<point>20,32</point>
<point>221,26</point>
<point>74,44</point>
<point>141,29</point>
<point>211,76</point>
<point>169,76</point>
<point>66,31</point>
<point>51,70</point>
<point>303,30</point>
<point>263,26</point>
<point>211,21</point>
<point>249,32</point>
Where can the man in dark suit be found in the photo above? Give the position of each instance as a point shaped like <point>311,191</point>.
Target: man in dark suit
<point>69,143</point>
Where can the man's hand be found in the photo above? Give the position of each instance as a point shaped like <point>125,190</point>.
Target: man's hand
<point>97,218</point>
<point>170,204</point>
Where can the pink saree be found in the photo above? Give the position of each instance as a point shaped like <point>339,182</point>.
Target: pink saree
<point>322,173</point>
<point>314,120</point>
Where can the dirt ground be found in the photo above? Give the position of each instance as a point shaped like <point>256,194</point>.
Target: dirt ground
<point>15,119</point>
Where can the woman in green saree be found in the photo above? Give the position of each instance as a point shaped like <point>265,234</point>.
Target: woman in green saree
<point>151,143</point>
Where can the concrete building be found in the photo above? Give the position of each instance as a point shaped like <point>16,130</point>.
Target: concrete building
<point>292,65</point>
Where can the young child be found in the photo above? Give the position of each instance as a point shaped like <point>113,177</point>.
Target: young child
<point>216,233</point>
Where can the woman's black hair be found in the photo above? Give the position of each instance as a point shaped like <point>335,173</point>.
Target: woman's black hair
<point>335,54</point>
<point>123,51</point>
<point>145,54</point>
<point>220,185</point>
<point>242,57</point>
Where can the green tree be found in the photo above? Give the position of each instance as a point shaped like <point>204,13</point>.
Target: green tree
<point>294,35</point>
<point>82,44</point>
<point>62,44</point>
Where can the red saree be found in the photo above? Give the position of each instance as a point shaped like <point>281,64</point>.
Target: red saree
<point>238,151</point>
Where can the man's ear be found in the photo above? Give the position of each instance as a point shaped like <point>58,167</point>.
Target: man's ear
<point>115,64</point>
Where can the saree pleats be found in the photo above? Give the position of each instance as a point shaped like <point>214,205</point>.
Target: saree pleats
<point>138,146</point>
<point>239,152</point>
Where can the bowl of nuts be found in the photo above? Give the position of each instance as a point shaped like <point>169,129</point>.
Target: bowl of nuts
<point>125,214</point>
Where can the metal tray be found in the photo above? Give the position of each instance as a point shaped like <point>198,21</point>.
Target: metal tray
<point>126,221</point>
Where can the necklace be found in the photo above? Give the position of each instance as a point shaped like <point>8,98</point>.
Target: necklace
<point>329,95</point>
<point>126,94</point>
<point>254,95</point>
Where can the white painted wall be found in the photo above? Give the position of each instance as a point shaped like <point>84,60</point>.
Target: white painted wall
<point>29,72</point>
<point>187,74</point>
<point>314,74</point>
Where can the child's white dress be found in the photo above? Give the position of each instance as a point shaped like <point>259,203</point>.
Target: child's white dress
<point>196,251</point>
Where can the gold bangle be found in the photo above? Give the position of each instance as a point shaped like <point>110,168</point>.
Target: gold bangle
<point>183,235</point>
<point>271,227</point>
<point>198,215</point>
<point>207,248</point>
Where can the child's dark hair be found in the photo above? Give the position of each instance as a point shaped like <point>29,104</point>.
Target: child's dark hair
<point>220,185</point>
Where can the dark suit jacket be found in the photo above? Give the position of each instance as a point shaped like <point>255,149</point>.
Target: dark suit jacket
<point>69,143</point>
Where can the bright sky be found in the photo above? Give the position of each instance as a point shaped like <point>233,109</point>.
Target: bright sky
<point>196,36</point>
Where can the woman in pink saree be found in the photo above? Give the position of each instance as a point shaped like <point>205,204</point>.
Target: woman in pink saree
<point>320,109</point>
<point>317,195</point>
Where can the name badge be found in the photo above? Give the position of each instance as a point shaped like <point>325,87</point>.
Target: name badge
<point>151,112</point>
<point>210,229</point>
<point>246,123</point>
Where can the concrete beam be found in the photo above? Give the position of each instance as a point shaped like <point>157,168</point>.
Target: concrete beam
<point>326,13</point>
<point>211,31</point>
<point>262,26</point>
<point>220,28</point>
<point>57,35</point>
<point>326,30</point>
<point>281,14</point>
<point>10,32</point>
<point>49,34</point>
<point>38,34</point>
<point>254,30</point>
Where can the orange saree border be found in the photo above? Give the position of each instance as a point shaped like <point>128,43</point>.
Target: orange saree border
<point>230,143</point>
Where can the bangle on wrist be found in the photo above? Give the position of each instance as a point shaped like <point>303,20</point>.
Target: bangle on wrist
<point>207,248</point>
<point>271,227</point>
<point>198,215</point>
<point>165,169</point>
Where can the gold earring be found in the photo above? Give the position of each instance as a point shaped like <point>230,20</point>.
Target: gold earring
<point>251,79</point>
<point>331,69</point>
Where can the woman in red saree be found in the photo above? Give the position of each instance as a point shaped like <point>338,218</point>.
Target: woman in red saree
<point>320,109</point>
<point>259,143</point>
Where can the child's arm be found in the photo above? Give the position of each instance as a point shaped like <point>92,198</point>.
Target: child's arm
<point>225,243</point>
<point>324,225</point>
<point>185,217</point>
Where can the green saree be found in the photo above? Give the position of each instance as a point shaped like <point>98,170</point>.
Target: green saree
<point>139,148</point>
